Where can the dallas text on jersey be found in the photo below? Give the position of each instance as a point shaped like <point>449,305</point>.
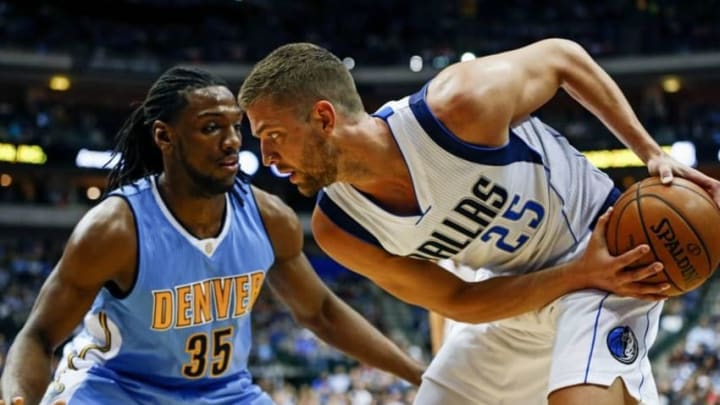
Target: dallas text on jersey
<point>472,215</point>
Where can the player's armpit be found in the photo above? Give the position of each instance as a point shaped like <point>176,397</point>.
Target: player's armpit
<point>414,281</point>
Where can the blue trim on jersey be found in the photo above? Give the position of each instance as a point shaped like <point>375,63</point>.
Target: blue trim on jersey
<point>514,151</point>
<point>595,328</point>
<point>647,329</point>
<point>343,220</point>
<point>609,201</point>
<point>384,113</point>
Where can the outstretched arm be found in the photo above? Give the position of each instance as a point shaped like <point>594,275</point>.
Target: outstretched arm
<point>314,306</point>
<point>478,100</point>
<point>426,284</point>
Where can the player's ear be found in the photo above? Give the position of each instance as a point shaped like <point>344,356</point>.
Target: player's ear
<point>324,111</point>
<point>161,134</point>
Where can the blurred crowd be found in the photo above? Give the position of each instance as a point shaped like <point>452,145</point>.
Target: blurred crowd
<point>242,31</point>
<point>689,372</point>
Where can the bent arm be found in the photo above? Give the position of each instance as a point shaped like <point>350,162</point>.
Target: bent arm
<point>583,79</point>
<point>65,297</point>
<point>314,306</point>
<point>480,99</point>
<point>426,284</point>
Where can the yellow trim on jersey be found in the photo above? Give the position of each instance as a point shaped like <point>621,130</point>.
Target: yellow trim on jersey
<point>102,319</point>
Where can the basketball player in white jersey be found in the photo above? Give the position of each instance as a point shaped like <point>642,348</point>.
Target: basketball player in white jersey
<point>461,170</point>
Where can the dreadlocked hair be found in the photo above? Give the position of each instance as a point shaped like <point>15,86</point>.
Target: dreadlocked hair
<point>134,143</point>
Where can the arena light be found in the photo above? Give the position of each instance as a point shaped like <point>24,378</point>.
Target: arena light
<point>467,56</point>
<point>671,84</point>
<point>611,158</point>
<point>59,83</point>
<point>8,152</point>
<point>96,159</point>
<point>416,63</point>
<point>349,63</point>
<point>5,180</point>
<point>684,151</point>
<point>32,154</point>
<point>249,163</point>
<point>93,193</point>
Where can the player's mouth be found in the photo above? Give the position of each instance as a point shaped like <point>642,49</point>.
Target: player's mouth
<point>230,163</point>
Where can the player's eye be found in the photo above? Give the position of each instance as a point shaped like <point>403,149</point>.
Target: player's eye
<point>210,127</point>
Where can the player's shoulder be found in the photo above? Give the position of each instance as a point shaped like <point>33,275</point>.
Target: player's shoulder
<point>281,222</point>
<point>110,221</point>
<point>272,207</point>
<point>329,235</point>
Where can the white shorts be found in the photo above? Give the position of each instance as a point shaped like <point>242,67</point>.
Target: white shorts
<point>586,337</point>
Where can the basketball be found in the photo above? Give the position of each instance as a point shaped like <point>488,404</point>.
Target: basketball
<point>680,223</point>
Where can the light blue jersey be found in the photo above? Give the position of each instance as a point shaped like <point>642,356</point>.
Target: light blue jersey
<point>183,332</point>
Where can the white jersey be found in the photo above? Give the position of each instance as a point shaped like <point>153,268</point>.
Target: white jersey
<point>511,209</point>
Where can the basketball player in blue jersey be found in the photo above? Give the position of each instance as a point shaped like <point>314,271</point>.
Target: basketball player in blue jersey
<point>461,170</point>
<point>166,269</point>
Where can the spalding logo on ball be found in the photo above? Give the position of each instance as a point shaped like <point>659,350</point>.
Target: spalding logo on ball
<point>681,224</point>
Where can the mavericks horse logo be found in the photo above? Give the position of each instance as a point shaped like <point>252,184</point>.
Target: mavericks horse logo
<point>623,344</point>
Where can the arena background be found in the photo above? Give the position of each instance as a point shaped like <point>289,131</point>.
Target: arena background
<point>69,73</point>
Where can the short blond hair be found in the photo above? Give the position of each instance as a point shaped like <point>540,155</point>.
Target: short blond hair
<point>298,75</point>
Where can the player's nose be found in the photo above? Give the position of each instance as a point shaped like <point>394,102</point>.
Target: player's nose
<point>269,156</point>
<point>232,141</point>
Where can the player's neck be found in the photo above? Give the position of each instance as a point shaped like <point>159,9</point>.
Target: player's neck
<point>201,215</point>
<point>374,165</point>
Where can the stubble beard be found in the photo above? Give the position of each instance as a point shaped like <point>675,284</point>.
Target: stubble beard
<point>321,158</point>
<point>208,185</point>
<point>205,185</point>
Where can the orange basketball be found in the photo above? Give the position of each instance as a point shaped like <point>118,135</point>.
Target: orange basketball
<point>680,223</point>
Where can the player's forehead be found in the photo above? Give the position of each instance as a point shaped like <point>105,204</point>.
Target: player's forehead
<point>212,100</point>
<point>265,114</point>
